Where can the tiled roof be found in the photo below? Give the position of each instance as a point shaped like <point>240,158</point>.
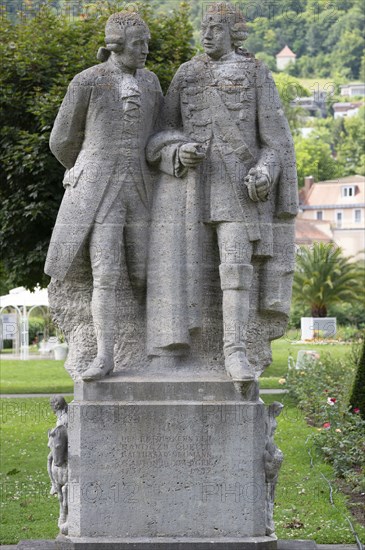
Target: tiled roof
<point>307,232</point>
<point>346,106</point>
<point>286,52</point>
<point>329,192</point>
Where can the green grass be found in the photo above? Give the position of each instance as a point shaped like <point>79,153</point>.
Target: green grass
<point>29,512</point>
<point>34,376</point>
<point>313,84</point>
<point>27,509</point>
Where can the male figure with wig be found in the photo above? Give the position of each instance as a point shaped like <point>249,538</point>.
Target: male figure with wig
<point>225,126</point>
<point>99,136</point>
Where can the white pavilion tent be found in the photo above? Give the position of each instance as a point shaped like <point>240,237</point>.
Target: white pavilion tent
<point>24,302</point>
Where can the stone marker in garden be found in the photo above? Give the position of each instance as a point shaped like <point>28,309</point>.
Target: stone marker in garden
<point>171,263</point>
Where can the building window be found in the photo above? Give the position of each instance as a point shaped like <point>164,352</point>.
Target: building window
<point>348,191</point>
<point>358,215</point>
<point>338,219</point>
<point>319,215</point>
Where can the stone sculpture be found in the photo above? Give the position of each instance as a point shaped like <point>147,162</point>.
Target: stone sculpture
<point>227,139</point>
<point>197,197</point>
<point>99,135</point>
<point>57,462</point>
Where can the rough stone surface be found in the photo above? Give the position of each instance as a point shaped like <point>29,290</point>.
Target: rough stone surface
<point>259,543</point>
<point>168,458</point>
<point>172,261</point>
<point>205,223</point>
<point>281,545</point>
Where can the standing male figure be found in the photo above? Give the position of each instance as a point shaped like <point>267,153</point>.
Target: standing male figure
<point>224,124</point>
<point>99,135</point>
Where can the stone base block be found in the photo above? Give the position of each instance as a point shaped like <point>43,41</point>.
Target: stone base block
<point>151,467</point>
<point>65,543</point>
<point>257,543</point>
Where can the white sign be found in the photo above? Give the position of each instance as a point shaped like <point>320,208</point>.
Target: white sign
<point>9,326</point>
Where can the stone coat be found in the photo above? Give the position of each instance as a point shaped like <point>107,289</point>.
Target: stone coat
<point>208,100</point>
<point>232,108</point>
<point>101,144</point>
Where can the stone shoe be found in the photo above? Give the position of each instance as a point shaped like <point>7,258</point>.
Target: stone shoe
<point>99,368</point>
<point>238,367</point>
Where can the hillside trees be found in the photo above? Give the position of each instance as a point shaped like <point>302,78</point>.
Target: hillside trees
<point>325,36</point>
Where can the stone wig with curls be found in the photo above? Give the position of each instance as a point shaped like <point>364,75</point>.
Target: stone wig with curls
<point>115,29</point>
<point>233,16</point>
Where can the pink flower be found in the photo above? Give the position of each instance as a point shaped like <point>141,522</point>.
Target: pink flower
<point>356,410</point>
<point>331,400</point>
<point>327,425</point>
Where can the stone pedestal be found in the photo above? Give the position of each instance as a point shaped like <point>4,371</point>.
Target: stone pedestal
<point>164,461</point>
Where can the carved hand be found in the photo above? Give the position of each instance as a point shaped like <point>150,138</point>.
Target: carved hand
<point>258,183</point>
<point>190,155</point>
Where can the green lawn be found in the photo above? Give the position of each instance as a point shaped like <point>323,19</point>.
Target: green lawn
<point>317,84</point>
<point>34,376</point>
<point>45,376</point>
<point>29,512</point>
<point>27,509</point>
<point>302,496</point>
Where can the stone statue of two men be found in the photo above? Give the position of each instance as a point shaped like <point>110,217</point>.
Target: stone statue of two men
<point>146,177</point>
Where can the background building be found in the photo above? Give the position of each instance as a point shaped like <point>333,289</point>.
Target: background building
<point>336,207</point>
<point>353,89</point>
<point>285,57</point>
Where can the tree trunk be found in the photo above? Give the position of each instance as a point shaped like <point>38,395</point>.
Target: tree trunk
<point>319,310</point>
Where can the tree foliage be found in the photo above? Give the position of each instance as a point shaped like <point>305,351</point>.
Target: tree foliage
<point>344,138</point>
<point>350,144</point>
<point>357,399</point>
<point>323,277</point>
<point>40,55</point>
<point>325,36</point>
<point>290,88</point>
<point>314,158</point>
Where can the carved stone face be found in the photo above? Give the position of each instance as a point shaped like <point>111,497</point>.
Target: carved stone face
<point>216,37</point>
<point>135,49</point>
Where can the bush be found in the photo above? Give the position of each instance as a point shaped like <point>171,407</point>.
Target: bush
<point>342,443</point>
<point>36,324</point>
<point>349,314</point>
<point>311,387</point>
<point>322,391</point>
<point>348,333</point>
<point>357,398</point>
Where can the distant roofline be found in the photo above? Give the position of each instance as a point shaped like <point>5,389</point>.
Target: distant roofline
<point>340,206</point>
<point>352,84</point>
<point>286,52</point>
<point>344,180</point>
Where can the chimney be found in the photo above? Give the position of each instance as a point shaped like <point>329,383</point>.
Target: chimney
<point>308,182</point>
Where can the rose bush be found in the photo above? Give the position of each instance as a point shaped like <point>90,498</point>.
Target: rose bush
<point>322,390</point>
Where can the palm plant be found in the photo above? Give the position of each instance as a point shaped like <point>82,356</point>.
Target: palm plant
<point>323,277</point>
